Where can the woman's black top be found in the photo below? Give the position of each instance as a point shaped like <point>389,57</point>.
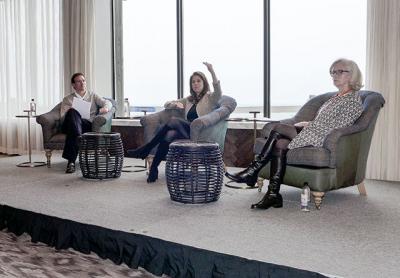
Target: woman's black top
<point>192,114</point>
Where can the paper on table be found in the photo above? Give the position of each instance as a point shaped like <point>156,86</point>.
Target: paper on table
<point>82,106</point>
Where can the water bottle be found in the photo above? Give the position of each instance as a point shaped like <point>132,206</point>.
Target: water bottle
<point>126,108</point>
<point>305,198</point>
<point>32,107</point>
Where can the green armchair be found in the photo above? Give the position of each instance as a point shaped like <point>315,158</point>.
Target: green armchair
<point>340,162</point>
<point>54,139</point>
<point>211,127</point>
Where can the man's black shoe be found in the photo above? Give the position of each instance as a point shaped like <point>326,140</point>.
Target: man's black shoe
<point>70,168</point>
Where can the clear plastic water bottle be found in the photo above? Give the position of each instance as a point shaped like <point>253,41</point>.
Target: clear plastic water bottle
<point>305,198</point>
<point>32,107</point>
<point>126,108</point>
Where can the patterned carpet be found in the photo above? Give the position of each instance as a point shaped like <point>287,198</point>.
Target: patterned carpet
<point>19,257</point>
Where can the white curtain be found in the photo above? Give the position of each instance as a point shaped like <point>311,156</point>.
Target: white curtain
<point>30,67</point>
<point>78,41</point>
<point>383,75</point>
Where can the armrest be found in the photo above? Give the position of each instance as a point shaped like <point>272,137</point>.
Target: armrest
<point>50,123</point>
<point>152,122</point>
<point>205,121</point>
<point>48,119</point>
<point>333,137</point>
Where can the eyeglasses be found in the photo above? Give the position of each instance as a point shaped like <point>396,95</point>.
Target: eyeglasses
<point>338,72</point>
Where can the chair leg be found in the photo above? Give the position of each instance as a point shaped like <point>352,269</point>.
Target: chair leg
<point>318,196</point>
<point>149,160</point>
<point>260,183</point>
<point>48,156</point>
<point>361,189</point>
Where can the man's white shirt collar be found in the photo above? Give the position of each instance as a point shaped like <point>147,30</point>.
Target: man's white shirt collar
<point>79,96</point>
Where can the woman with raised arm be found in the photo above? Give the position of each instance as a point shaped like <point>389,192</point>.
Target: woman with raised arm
<point>200,102</point>
<point>341,110</point>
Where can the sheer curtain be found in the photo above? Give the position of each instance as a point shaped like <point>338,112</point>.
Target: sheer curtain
<point>383,75</point>
<point>78,41</point>
<point>29,68</point>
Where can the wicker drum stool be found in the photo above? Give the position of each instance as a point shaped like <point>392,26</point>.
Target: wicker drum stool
<point>194,172</point>
<point>101,155</point>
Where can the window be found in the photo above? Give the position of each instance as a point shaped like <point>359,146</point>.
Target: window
<point>228,34</point>
<point>149,45</point>
<point>306,37</point>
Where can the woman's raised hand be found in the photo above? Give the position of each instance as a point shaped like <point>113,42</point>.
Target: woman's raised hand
<point>209,66</point>
<point>211,70</point>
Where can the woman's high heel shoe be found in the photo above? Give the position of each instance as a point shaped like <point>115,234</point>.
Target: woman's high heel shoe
<point>153,175</point>
<point>141,152</point>
<point>248,175</point>
<point>269,200</point>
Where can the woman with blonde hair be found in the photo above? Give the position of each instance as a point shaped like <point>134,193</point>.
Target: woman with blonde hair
<point>341,110</point>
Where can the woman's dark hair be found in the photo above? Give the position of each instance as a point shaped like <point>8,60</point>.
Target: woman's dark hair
<point>76,75</point>
<point>193,96</point>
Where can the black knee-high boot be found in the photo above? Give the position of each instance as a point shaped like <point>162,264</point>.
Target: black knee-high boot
<point>161,153</point>
<point>143,151</point>
<point>250,174</point>
<point>273,198</point>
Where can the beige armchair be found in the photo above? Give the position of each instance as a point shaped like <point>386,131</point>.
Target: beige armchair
<point>54,139</point>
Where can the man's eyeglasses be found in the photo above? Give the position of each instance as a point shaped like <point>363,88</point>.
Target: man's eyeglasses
<point>338,72</point>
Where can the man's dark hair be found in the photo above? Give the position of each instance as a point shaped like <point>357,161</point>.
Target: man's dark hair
<point>76,75</point>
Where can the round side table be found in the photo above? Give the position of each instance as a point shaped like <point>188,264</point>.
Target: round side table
<point>194,171</point>
<point>101,155</point>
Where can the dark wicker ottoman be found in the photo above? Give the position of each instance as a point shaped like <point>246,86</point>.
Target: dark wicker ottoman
<point>101,155</point>
<point>194,172</point>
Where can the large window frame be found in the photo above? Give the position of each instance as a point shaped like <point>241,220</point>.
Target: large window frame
<point>118,79</point>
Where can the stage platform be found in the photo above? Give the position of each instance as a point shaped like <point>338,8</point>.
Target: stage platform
<point>343,239</point>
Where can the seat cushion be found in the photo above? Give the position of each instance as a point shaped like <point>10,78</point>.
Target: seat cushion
<point>307,156</point>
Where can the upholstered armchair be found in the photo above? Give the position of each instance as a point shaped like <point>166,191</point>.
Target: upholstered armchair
<point>340,162</point>
<point>211,127</point>
<point>53,139</point>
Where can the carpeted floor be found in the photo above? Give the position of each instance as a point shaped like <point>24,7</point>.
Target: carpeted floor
<point>19,257</point>
<point>351,236</point>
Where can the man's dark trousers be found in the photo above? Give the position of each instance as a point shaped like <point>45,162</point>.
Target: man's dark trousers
<point>73,126</point>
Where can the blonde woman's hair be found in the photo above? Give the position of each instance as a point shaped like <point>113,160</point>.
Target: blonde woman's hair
<point>356,81</point>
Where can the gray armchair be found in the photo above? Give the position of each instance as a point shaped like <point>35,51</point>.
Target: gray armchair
<point>211,127</point>
<point>54,139</point>
<point>342,159</point>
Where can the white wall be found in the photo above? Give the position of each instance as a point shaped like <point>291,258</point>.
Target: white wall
<point>103,50</point>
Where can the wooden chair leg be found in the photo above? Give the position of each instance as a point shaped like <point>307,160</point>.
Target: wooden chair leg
<point>48,157</point>
<point>361,189</point>
<point>149,161</point>
<point>318,196</point>
<point>260,183</point>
